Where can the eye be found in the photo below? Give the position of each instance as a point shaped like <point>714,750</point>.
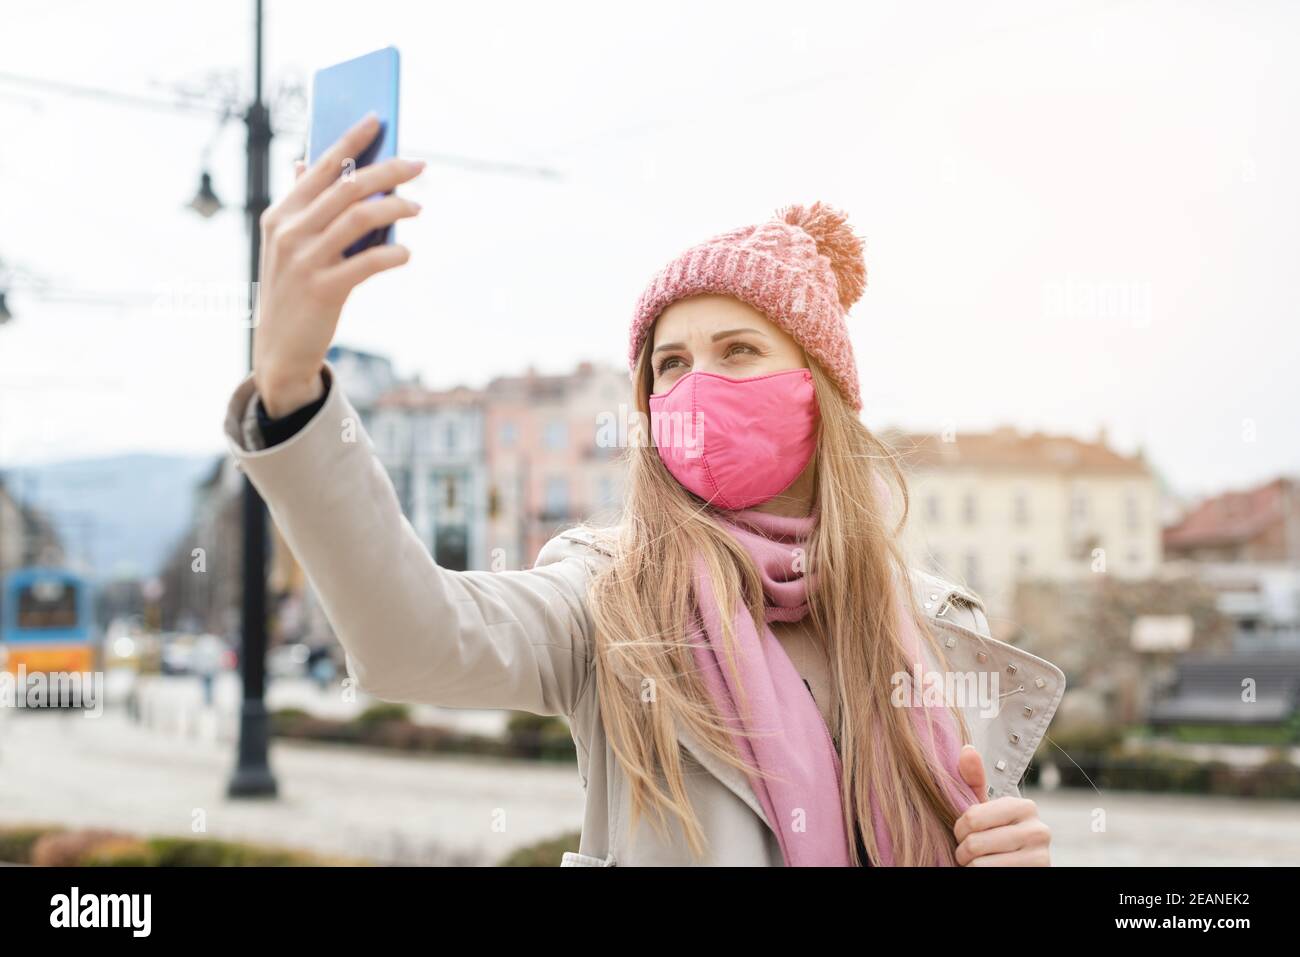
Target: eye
<point>669,363</point>
<point>740,348</point>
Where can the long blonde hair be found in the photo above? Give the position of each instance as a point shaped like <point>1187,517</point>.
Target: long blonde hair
<point>642,607</point>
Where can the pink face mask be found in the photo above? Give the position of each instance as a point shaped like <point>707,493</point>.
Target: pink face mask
<point>736,443</point>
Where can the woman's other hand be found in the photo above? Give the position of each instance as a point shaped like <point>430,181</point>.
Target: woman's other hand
<point>304,277</point>
<point>1006,832</point>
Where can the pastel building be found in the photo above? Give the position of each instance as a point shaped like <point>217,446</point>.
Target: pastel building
<point>1259,524</point>
<point>431,444</point>
<point>364,376</point>
<point>548,459</point>
<point>993,509</point>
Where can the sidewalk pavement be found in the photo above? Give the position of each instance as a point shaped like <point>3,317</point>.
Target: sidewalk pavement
<point>393,808</point>
<point>338,800</point>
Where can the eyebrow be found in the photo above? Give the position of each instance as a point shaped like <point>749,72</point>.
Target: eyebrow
<point>724,334</point>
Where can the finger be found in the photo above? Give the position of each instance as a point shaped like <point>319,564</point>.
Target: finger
<point>347,191</point>
<point>971,767</point>
<point>1000,840</point>
<point>360,218</point>
<point>1035,853</point>
<point>327,169</point>
<point>299,167</point>
<point>1030,857</point>
<point>1026,835</point>
<point>357,269</point>
<point>1003,811</point>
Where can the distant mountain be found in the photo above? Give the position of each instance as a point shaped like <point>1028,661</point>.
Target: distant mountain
<point>121,514</point>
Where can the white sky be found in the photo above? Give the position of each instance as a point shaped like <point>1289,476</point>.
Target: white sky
<point>992,155</point>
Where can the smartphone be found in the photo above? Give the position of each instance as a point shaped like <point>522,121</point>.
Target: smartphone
<point>341,96</point>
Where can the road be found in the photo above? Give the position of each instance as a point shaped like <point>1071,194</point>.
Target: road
<point>390,808</point>
<point>337,800</point>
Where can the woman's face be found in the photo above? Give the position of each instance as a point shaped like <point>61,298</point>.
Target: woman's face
<point>722,335</point>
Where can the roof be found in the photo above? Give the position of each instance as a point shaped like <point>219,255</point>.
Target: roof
<point>418,397</point>
<point>1231,518</point>
<point>535,386</point>
<point>531,387</point>
<point>1010,450</point>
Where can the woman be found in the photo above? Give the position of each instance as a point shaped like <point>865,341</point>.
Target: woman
<point>745,661</point>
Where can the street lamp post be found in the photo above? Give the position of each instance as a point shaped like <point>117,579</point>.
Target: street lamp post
<point>252,776</point>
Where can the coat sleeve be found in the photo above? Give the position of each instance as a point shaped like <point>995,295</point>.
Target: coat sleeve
<point>412,631</point>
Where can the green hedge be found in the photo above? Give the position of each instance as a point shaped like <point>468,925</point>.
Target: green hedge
<point>1097,758</point>
<point>16,842</point>
<point>389,726</point>
<point>44,845</point>
<point>544,853</point>
<point>383,711</point>
<point>1278,780</point>
<point>59,847</point>
<point>1235,734</point>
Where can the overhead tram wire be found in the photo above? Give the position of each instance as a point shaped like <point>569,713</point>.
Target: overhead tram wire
<point>224,112</point>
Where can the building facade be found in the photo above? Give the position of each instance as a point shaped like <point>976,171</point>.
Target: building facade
<point>27,535</point>
<point>1260,524</point>
<point>365,377</point>
<point>548,456</point>
<point>1246,545</point>
<point>487,476</point>
<point>993,509</point>
<point>432,444</point>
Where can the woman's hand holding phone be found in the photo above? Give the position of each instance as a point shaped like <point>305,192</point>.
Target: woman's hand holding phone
<point>305,278</point>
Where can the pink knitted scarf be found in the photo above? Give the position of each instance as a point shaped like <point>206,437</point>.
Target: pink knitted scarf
<point>781,731</point>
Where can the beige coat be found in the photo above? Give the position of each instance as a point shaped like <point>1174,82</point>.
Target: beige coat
<point>414,632</point>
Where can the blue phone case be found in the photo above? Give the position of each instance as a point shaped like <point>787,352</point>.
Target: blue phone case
<point>340,96</point>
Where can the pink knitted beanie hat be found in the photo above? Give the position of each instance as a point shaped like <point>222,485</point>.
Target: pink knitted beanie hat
<point>803,269</point>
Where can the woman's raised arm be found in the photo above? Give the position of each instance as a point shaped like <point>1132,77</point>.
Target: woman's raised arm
<point>412,631</point>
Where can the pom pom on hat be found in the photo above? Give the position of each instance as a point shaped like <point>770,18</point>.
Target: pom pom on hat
<point>829,229</point>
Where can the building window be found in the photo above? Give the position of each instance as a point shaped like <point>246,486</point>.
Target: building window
<point>934,508</point>
<point>973,570</point>
<point>391,437</point>
<point>1020,508</point>
<point>421,437</point>
<point>1085,546</point>
<point>451,491</point>
<point>507,434</point>
<point>969,508</point>
<point>556,435</point>
<point>605,493</point>
<point>556,497</point>
<point>1132,511</point>
<point>603,450</point>
<point>449,436</point>
<point>451,547</point>
<point>1079,506</point>
<point>1023,561</point>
